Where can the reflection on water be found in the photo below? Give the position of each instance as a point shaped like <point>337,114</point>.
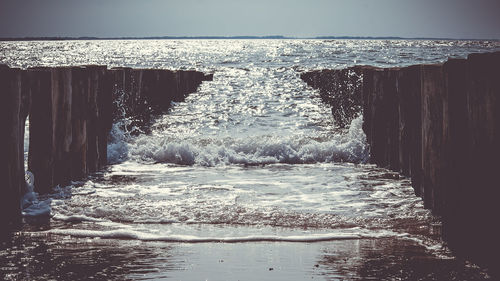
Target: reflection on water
<point>42,257</point>
<point>389,259</point>
<point>33,253</point>
<point>247,179</point>
<point>47,257</point>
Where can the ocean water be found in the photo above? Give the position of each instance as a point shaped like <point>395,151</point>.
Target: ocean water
<point>247,179</point>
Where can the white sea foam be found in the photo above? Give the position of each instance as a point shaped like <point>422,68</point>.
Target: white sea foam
<point>30,205</point>
<point>117,144</point>
<point>436,247</point>
<point>75,218</point>
<point>256,150</point>
<point>143,236</point>
<point>257,110</point>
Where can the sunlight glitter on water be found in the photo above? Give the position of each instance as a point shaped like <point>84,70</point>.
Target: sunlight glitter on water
<point>255,146</point>
<point>251,156</point>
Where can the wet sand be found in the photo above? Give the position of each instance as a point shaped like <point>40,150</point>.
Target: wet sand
<point>34,255</point>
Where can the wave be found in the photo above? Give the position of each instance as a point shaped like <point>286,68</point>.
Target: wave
<point>31,206</point>
<point>118,142</point>
<point>75,218</point>
<point>137,235</point>
<point>256,150</point>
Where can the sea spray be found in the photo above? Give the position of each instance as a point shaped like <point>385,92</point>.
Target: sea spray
<point>31,206</point>
<point>257,110</point>
<point>117,143</point>
<point>349,146</point>
<point>121,131</point>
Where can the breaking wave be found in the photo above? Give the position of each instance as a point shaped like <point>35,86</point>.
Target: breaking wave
<point>255,150</point>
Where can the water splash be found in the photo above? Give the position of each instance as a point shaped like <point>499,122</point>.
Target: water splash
<point>255,150</point>
<point>31,206</point>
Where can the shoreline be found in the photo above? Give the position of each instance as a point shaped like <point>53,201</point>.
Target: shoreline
<point>125,259</point>
<point>439,125</point>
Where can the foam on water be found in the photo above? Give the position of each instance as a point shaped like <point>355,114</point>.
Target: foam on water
<point>253,155</point>
<point>143,236</point>
<point>254,150</point>
<point>31,206</point>
<point>117,144</point>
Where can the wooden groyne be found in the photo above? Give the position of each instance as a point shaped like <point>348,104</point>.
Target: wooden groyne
<point>71,111</point>
<point>440,125</point>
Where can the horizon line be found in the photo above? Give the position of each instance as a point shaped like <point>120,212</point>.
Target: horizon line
<point>275,37</point>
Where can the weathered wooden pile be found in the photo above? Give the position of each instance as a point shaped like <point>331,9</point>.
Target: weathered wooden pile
<point>440,125</point>
<point>71,111</point>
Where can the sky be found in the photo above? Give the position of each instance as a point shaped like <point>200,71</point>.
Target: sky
<point>479,19</point>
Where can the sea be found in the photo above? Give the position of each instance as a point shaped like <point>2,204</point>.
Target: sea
<point>247,179</point>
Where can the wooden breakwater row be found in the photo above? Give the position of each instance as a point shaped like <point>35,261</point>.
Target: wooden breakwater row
<point>440,125</point>
<point>71,111</point>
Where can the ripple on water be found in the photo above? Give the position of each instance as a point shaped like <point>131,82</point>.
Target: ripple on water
<point>251,156</point>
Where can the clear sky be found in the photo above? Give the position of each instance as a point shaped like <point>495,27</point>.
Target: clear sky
<point>302,18</point>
